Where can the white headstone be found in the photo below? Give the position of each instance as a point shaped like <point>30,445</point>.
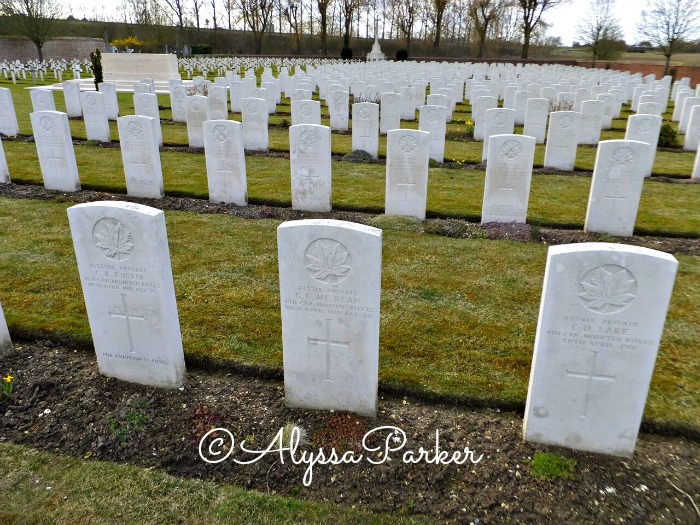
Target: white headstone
<point>330,287</point>
<point>432,119</point>
<point>71,95</point>
<point>217,100</point>
<point>310,160</point>
<point>562,140</point>
<point>365,128</point>
<point>124,265</point>
<point>140,156</point>
<point>6,347</point>
<point>618,177</point>
<point>306,112</point>
<point>146,104</point>
<point>508,177</point>
<point>407,158</point>
<point>42,100</point>
<point>591,120</point>
<point>255,119</point>
<point>4,170</point>
<point>389,112</point>
<point>111,103</point>
<point>338,110</point>
<point>696,167</point>
<point>55,149</point>
<point>499,121</point>
<point>645,128</point>
<point>536,113</point>
<point>225,159</point>
<point>178,96</point>
<point>688,105</point>
<point>95,116</point>
<point>692,134</point>
<point>649,108</point>
<point>601,319</point>
<point>8,117</point>
<point>196,109</point>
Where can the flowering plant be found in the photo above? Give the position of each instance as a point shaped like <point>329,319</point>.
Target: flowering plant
<point>6,386</point>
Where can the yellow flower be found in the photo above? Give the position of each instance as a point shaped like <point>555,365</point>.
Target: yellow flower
<point>469,123</point>
<point>9,379</point>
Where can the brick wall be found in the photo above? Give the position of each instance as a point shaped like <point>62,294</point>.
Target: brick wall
<point>68,48</point>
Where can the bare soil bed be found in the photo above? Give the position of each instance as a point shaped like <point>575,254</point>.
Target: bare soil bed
<point>63,405</point>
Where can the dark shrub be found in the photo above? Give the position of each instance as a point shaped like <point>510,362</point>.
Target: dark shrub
<point>668,137</point>
<point>401,55</point>
<point>202,49</point>
<point>346,53</point>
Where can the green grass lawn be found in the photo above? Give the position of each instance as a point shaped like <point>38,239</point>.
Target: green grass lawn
<point>458,315</point>
<point>40,488</point>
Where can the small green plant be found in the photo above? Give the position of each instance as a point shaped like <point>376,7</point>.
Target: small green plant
<point>126,424</point>
<point>547,466</point>
<point>6,388</point>
<point>96,59</point>
<point>668,137</point>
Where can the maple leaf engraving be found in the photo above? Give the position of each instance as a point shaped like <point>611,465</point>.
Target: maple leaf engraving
<point>114,240</point>
<point>607,290</point>
<point>327,261</point>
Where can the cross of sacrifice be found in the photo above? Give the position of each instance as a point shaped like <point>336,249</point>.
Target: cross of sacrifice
<point>328,342</point>
<point>129,317</point>
<point>590,377</point>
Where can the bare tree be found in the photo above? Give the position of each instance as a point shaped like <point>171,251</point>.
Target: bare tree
<point>180,14</point>
<point>38,20</point>
<point>196,7</point>
<point>600,30</point>
<point>669,25</point>
<point>257,15</point>
<point>323,6</point>
<point>293,11</point>
<point>406,15</point>
<point>347,11</point>
<point>215,18</point>
<point>437,13</point>
<point>532,11</point>
<point>229,7</point>
<point>484,13</point>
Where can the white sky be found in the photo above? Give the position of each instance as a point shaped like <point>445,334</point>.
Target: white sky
<point>563,19</point>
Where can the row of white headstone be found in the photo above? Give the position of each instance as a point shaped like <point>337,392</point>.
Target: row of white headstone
<point>612,208</point>
<point>601,320</point>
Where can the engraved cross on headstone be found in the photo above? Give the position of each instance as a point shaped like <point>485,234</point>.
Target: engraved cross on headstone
<point>407,187</point>
<point>616,197</point>
<point>328,342</point>
<point>129,317</point>
<point>590,377</point>
<point>54,161</point>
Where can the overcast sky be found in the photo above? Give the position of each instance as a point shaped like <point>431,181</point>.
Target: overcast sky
<point>563,19</point>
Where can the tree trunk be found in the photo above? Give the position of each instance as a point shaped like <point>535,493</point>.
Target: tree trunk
<point>39,50</point>
<point>324,32</point>
<point>666,66</point>
<point>526,43</point>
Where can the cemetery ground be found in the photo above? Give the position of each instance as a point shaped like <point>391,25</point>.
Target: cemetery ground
<point>459,311</point>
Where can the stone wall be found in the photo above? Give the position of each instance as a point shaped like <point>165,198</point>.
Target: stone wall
<point>68,48</point>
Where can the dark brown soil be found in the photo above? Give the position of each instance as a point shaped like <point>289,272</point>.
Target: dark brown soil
<point>447,227</point>
<point>63,405</point>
